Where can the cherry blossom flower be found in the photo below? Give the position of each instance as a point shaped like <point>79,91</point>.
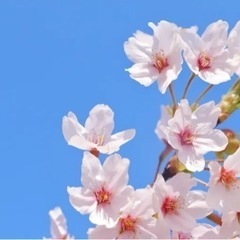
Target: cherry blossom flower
<point>104,190</point>
<point>96,135</point>
<point>135,220</point>
<point>156,57</point>
<point>192,133</point>
<point>58,224</point>
<point>176,204</point>
<point>224,184</point>
<point>207,56</point>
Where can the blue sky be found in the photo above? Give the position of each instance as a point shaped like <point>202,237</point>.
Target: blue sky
<point>57,56</point>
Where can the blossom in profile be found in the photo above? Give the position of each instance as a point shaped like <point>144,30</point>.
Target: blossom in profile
<point>105,190</point>
<point>207,56</point>
<point>95,136</point>
<point>156,58</point>
<point>224,184</point>
<point>58,224</point>
<point>192,134</point>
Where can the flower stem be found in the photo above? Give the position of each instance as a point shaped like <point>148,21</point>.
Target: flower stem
<point>172,95</point>
<point>188,85</point>
<point>202,182</point>
<point>215,218</point>
<point>162,156</point>
<point>203,93</point>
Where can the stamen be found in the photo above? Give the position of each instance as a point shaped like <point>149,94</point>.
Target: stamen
<point>160,61</point>
<point>227,178</point>
<point>204,61</point>
<point>170,205</point>
<point>186,137</point>
<point>128,224</point>
<point>102,196</point>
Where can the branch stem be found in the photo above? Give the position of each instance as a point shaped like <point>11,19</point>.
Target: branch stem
<point>188,85</point>
<point>203,93</point>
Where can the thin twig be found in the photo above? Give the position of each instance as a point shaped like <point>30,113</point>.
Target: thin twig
<point>202,182</point>
<point>172,95</point>
<point>215,218</point>
<point>203,93</point>
<point>162,156</point>
<point>188,85</point>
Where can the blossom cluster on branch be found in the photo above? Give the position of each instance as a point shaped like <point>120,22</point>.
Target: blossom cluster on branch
<point>171,206</point>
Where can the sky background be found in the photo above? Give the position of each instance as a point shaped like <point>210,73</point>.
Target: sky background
<point>59,56</point>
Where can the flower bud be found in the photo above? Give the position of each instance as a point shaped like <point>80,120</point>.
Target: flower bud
<point>230,102</point>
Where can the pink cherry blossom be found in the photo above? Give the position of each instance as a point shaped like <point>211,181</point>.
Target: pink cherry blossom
<point>224,184</point>
<point>135,220</point>
<point>156,57</point>
<point>192,133</point>
<point>176,204</point>
<point>96,135</point>
<point>104,190</point>
<point>207,56</point>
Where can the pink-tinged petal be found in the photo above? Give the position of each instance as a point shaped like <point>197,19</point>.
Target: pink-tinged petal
<point>214,76</point>
<point>169,31</point>
<point>58,223</point>
<point>205,232</point>
<point>215,168</point>
<point>215,195</point>
<point>92,172</point>
<point>101,232</point>
<point>116,172</point>
<point>214,140</point>
<point>215,36</point>
<point>233,162</point>
<point>82,199</point>
<point>181,221</point>
<point>116,140</point>
<point>211,109</point>
<point>144,73</point>
<point>192,160</point>
<point>122,198</point>
<point>80,142</point>
<point>161,187</point>
<point>162,230</point>
<point>104,215</point>
<point>137,48</point>
<point>181,117</point>
<point>187,182</point>
<point>144,233</point>
<point>196,204</point>
<point>100,121</point>
<point>191,60</point>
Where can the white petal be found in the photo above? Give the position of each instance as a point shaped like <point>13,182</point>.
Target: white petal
<point>233,162</point>
<point>214,140</point>
<point>82,199</point>
<point>101,232</point>
<point>144,73</point>
<point>116,171</point>
<point>92,172</point>
<point>116,140</point>
<point>58,223</point>
<point>100,121</point>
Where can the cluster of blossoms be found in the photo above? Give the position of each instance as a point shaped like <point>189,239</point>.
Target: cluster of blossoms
<point>171,206</point>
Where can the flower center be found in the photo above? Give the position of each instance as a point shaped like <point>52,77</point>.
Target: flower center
<point>160,61</point>
<point>186,137</point>
<point>96,139</point>
<point>128,224</point>
<point>204,61</point>
<point>170,205</point>
<point>227,178</point>
<point>102,196</point>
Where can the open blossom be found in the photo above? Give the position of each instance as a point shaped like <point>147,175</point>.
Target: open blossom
<point>207,56</point>
<point>156,57</point>
<point>104,190</point>
<point>96,135</point>
<point>58,224</point>
<point>192,133</point>
<point>176,205</point>
<point>135,221</point>
<point>224,184</point>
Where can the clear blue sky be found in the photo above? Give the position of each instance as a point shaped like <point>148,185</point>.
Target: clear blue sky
<point>57,56</point>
